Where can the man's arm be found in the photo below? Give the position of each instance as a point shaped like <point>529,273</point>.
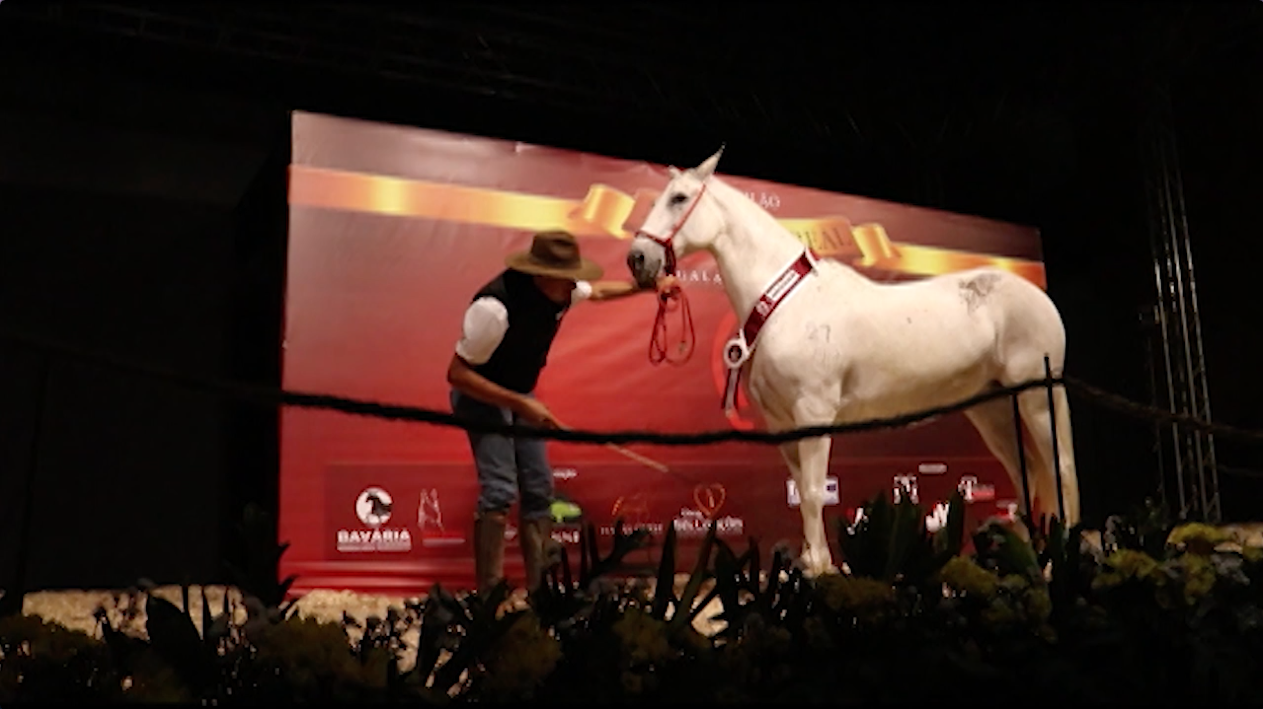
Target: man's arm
<point>463,378</point>
<point>483,328</point>
<point>612,290</point>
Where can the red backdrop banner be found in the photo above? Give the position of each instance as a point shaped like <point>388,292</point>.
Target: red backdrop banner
<point>392,230</point>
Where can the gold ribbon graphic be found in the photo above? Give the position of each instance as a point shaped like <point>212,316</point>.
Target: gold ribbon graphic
<point>604,212</point>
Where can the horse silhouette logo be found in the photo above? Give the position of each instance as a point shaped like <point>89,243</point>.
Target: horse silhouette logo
<point>373,506</point>
<point>429,514</point>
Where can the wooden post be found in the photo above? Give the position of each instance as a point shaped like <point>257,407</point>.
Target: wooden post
<point>1052,422</point>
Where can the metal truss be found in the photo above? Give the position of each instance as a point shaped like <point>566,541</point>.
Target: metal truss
<point>1188,472</point>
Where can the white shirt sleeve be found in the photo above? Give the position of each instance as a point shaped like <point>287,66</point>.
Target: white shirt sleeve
<point>486,321</point>
<point>582,291</point>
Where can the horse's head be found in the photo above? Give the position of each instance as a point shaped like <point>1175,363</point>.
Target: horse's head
<point>681,221</point>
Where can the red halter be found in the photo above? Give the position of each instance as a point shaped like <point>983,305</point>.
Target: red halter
<point>666,241</point>
<point>657,342</point>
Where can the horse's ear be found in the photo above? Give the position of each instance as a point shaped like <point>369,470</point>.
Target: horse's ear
<point>673,172</point>
<point>707,168</point>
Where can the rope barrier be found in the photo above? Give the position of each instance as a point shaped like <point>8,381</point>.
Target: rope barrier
<point>1238,472</point>
<point>269,396</point>
<point>1126,405</point>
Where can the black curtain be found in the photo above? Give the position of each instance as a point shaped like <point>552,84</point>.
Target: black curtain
<point>126,211</point>
<point>127,477</point>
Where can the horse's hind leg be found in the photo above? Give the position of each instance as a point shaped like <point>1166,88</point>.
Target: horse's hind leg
<point>1039,419</point>
<point>998,429</point>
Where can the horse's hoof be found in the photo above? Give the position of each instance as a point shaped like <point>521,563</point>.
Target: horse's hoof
<point>813,569</point>
<point>826,570</point>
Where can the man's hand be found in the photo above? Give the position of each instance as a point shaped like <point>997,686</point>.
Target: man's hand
<point>534,411</point>
<point>611,290</point>
<point>668,285</point>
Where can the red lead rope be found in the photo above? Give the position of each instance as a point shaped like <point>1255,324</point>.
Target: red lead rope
<point>659,351</point>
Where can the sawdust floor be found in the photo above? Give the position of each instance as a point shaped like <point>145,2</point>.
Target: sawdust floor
<point>75,609</point>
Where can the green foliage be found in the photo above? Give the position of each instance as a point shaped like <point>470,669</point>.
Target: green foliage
<point>1163,614</point>
<point>44,662</point>
<point>891,542</point>
<point>257,574</point>
<point>751,596</point>
<point>1146,528</point>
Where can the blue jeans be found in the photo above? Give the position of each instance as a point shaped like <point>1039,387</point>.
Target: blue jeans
<point>506,465</point>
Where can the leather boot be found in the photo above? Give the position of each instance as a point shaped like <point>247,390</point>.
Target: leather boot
<point>489,550</point>
<point>537,550</point>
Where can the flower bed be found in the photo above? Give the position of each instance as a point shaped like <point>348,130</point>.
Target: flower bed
<point>1155,614</point>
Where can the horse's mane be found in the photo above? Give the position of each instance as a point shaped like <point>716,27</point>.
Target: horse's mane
<point>764,224</point>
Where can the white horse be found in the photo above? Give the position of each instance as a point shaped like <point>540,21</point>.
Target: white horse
<point>837,347</point>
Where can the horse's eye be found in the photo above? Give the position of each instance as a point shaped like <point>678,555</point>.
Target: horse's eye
<point>678,198</point>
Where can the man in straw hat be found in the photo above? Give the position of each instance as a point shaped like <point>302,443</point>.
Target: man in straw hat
<point>507,332</point>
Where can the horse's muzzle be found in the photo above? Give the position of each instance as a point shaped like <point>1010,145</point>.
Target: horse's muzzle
<point>643,272</point>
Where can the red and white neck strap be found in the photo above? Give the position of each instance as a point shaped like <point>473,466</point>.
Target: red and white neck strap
<point>737,350</point>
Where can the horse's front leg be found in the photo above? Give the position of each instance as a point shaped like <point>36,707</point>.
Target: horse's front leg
<point>808,461</point>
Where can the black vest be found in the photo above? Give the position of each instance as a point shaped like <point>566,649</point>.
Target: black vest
<point>533,322</point>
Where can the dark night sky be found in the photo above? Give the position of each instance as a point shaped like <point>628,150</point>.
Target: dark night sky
<point>139,191</point>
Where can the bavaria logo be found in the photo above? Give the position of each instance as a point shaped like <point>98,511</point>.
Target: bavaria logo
<point>373,506</point>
